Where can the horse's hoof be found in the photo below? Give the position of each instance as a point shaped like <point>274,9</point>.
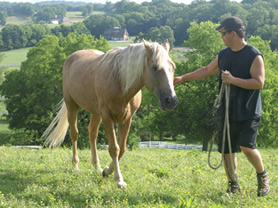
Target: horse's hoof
<point>75,168</point>
<point>105,172</point>
<point>98,168</point>
<point>121,185</point>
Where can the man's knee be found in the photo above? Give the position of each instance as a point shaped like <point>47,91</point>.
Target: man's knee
<point>247,150</point>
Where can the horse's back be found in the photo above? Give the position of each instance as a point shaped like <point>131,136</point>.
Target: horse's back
<point>82,56</point>
<point>79,76</point>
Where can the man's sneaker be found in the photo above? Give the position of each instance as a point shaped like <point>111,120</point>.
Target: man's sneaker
<point>263,184</point>
<point>233,188</point>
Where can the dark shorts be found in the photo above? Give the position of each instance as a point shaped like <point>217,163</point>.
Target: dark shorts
<point>243,133</point>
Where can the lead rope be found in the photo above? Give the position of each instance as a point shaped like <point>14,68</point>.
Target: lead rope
<point>226,129</point>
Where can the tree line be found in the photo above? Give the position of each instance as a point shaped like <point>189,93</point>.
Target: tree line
<point>33,92</point>
<point>146,19</point>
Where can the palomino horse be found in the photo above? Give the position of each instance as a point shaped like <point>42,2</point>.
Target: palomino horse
<point>108,85</point>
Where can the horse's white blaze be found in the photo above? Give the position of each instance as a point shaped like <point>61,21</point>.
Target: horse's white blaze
<point>170,80</point>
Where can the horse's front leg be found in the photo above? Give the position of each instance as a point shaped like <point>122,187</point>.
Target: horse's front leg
<point>123,130</point>
<point>93,132</point>
<point>114,152</point>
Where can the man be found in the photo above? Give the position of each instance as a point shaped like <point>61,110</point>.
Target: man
<point>242,66</point>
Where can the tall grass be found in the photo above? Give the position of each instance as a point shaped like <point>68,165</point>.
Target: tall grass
<point>155,178</point>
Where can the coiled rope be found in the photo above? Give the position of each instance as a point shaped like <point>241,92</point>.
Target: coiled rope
<point>225,88</point>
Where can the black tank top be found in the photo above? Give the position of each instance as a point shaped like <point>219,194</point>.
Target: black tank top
<point>244,104</point>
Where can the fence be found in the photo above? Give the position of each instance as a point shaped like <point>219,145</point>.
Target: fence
<point>166,145</point>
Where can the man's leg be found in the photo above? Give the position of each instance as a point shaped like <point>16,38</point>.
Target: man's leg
<point>233,185</point>
<point>228,166</point>
<point>255,158</point>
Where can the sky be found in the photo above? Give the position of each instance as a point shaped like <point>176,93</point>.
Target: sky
<point>103,1</point>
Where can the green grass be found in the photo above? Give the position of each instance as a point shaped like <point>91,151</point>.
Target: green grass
<point>4,132</point>
<point>98,13</point>
<point>18,20</point>
<point>179,54</point>
<point>4,126</point>
<point>75,16</point>
<point>155,178</point>
<point>2,105</point>
<point>114,44</point>
<point>14,57</point>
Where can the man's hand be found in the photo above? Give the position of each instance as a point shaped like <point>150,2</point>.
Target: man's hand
<point>227,77</point>
<point>177,80</point>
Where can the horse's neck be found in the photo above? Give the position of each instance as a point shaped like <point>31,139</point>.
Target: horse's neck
<point>135,89</point>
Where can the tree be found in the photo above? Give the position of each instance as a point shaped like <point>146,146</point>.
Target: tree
<point>159,35</point>
<point>90,8</point>
<point>45,15</point>
<point>269,32</point>
<point>20,36</point>
<point>267,134</point>
<point>33,92</point>
<point>14,37</point>
<point>97,24</point>
<point>36,33</point>
<point>85,12</point>
<point>2,69</point>
<point>257,17</point>
<point>77,28</point>
<point>3,17</point>
<point>23,9</point>
<point>134,22</point>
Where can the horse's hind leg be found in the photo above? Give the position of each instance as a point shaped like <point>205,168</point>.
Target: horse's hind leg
<point>72,119</point>
<point>93,132</point>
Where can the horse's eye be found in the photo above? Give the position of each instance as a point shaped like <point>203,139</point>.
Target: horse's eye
<point>154,67</point>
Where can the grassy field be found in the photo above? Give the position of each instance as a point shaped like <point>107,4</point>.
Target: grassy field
<point>4,131</point>
<point>75,16</point>
<point>2,105</point>
<point>4,126</point>
<point>14,57</point>
<point>155,178</point>
<point>18,20</point>
<point>114,44</point>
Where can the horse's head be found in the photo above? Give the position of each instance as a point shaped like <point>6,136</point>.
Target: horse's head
<point>159,74</point>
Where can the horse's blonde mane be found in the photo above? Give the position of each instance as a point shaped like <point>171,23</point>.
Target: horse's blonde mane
<point>129,62</point>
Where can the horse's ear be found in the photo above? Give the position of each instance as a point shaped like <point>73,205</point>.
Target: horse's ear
<point>148,48</point>
<point>166,45</point>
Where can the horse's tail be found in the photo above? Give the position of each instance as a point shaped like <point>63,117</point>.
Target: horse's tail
<point>55,134</point>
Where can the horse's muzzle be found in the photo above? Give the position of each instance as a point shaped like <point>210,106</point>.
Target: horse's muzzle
<point>168,103</point>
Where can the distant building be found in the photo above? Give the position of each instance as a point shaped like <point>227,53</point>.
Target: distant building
<point>54,21</point>
<point>60,19</point>
<point>116,34</point>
